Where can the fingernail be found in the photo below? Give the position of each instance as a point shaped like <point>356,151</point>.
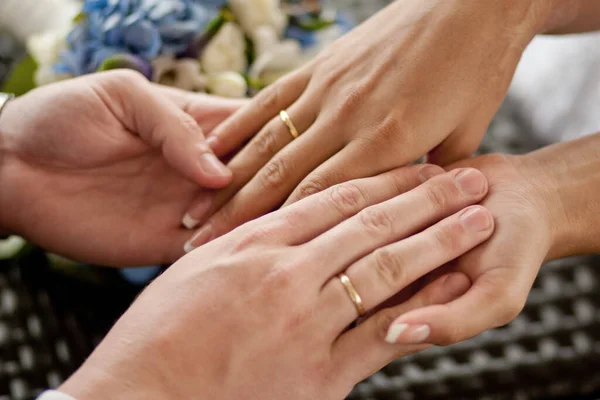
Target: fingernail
<point>189,222</point>
<point>429,172</point>
<point>471,181</point>
<point>188,247</point>
<point>202,237</point>
<point>211,165</point>
<point>477,219</point>
<point>402,333</point>
<point>198,211</point>
<point>212,142</point>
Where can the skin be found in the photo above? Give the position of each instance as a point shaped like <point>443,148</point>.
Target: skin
<point>546,206</point>
<point>260,313</point>
<point>378,99</point>
<point>112,155</point>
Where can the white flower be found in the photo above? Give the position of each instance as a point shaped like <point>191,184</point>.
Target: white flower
<point>183,74</point>
<point>254,13</point>
<point>45,49</point>
<point>275,58</point>
<point>226,51</point>
<point>227,84</point>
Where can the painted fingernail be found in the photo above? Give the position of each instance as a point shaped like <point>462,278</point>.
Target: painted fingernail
<point>211,165</point>
<point>402,333</point>
<point>471,181</point>
<point>203,236</point>
<point>189,222</point>
<point>198,212</point>
<point>428,172</point>
<point>477,219</point>
<point>212,142</point>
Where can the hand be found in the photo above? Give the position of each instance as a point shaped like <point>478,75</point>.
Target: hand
<point>260,313</point>
<point>100,168</point>
<point>529,217</point>
<point>417,76</point>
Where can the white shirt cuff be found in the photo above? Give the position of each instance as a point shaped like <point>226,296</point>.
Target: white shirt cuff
<point>54,395</point>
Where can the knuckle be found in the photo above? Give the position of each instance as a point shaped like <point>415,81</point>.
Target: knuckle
<point>390,268</point>
<point>265,143</point>
<point>389,129</point>
<point>374,219</point>
<point>253,237</point>
<point>441,194</point>
<point>347,198</point>
<point>449,237</point>
<point>313,186</point>
<point>188,124</point>
<point>268,98</point>
<point>275,173</point>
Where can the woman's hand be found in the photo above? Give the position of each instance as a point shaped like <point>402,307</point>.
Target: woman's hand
<point>419,77</point>
<point>100,168</point>
<point>546,206</point>
<point>260,312</point>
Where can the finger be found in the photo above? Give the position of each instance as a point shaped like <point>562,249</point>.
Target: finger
<point>370,336</point>
<point>266,105</point>
<point>316,214</point>
<point>268,189</point>
<point>161,124</point>
<point>458,146</point>
<point>396,219</point>
<point>344,166</point>
<point>208,111</point>
<point>496,297</point>
<point>385,272</point>
<point>262,148</point>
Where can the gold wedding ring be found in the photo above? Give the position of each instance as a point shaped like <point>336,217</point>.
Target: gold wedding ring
<point>285,117</point>
<point>354,296</point>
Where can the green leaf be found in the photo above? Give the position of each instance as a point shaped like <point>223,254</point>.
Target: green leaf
<point>22,78</point>
<point>315,24</point>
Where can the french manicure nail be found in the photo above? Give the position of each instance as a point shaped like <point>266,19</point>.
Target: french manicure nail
<point>203,236</point>
<point>402,333</point>
<point>189,222</point>
<point>188,247</point>
<point>198,211</point>
<point>211,165</point>
<point>429,172</point>
<point>471,181</point>
<point>477,219</point>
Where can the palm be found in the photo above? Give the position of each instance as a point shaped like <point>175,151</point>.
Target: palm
<point>510,260</point>
<point>111,198</point>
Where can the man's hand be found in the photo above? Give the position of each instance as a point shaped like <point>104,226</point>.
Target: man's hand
<point>100,168</point>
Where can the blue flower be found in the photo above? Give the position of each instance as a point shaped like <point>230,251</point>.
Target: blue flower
<point>141,28</point>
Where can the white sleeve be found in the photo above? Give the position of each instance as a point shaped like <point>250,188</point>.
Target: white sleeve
<point>54,395</point>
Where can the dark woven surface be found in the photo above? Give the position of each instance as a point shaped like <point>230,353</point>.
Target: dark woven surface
<point>49,323</point>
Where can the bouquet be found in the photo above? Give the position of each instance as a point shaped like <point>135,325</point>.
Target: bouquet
<point>231,48</point>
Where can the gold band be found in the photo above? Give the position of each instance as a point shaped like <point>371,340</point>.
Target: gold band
<point>288,122</point>
<point>354,296</point>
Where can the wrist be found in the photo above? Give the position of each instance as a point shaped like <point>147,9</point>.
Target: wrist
<point>566,177</point>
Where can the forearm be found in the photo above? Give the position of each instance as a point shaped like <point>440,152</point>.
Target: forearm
<point>571,16</point>
<point>573,170</point>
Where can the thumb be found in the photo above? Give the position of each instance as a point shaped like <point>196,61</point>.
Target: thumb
<point>162,124</point>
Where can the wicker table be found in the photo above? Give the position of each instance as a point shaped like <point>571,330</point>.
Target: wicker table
<point>49,321</point>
